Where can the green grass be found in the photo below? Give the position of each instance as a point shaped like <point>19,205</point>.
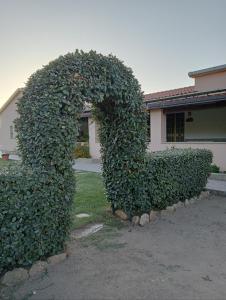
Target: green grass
<point>90,198</point>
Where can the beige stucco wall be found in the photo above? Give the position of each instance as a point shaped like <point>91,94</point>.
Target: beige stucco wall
<point>94,145</point>
<point>157,128</point>
<point>210,82</point>
<point>7,116</point>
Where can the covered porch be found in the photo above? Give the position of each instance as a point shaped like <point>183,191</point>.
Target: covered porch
<point>197,121</point>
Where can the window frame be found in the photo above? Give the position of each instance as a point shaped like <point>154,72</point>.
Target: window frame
<point>177,133</point>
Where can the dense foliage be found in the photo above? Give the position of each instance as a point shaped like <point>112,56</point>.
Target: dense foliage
<point>214,169</point>
<point>35,206</point>
<point>29,224</point>
<point>176,175</point>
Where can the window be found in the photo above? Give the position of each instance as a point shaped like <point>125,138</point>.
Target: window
<point>11,131</point>
<point>175,127</point>
<point>83,130</point>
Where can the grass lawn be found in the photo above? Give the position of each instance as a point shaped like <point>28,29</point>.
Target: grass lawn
<point>90,198</point>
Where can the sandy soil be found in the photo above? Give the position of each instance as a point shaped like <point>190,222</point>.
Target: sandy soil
<point>181,256</point>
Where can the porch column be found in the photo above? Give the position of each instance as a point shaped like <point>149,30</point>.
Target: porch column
<point>94,145</point>
<point>158,130</point>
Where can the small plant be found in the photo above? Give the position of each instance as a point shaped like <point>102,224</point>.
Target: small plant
<point>82,151</point>
<point>214,169</point>
<point>5,156</point>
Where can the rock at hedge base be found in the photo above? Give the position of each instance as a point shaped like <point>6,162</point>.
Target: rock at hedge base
<point>144,219</point>
<point>135,220</point>
<point>164,212</point>
<point>38,268</point>
<point>192,200</point>
<point>15,277</point>
<point>187,202</point>
<point>121,214</point>
<point>55,259</point>
<point>204,194</point>
<point>153,216</point>
<point>179,204</point>
<point>170,209</point>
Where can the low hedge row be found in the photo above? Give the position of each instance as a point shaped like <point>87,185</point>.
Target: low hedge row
<point>175,175</point>
<point>34,216</point>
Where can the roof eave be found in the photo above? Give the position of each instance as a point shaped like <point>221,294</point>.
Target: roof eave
<point>207,71</point>
<point>195,99</point>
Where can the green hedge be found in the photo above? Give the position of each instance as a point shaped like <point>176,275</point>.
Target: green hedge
<point>214,169</point>
<point>176,175</point>
<point>35,206</point>
<point>34,216</point>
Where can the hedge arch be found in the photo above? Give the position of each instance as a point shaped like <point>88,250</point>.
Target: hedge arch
<point>47,129</point>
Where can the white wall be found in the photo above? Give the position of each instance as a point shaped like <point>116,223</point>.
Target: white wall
<point>7,116</point>
<point>94,145</point>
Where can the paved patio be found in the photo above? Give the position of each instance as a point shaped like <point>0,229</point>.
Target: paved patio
<point>217,186</point>
<point>181,256</point>
<point>87,164</point>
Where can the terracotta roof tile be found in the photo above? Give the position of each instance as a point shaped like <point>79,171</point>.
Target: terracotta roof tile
<point>169,93</point>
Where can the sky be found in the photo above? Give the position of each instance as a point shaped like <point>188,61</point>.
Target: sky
<point>161,40</point>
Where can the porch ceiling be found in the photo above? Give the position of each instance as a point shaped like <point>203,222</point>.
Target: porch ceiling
<point>195,99</point>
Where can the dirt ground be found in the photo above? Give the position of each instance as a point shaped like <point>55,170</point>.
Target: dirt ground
<point>181,256</point>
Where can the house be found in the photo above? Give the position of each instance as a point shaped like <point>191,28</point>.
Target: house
<point>8,113</point>
<point>188,117</point>
<point>193,116</point>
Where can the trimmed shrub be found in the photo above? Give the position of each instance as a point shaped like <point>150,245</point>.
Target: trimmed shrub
<point>176,175</point>
<point>35,206</point>
<point>28,222</point>
<point>214,169</point>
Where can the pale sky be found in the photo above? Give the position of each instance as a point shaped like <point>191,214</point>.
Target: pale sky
<point>161,40</point>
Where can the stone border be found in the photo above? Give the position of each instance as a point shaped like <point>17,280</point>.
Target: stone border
<point>18,275</point>
<point>154,215</point>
